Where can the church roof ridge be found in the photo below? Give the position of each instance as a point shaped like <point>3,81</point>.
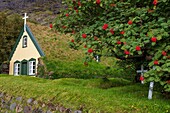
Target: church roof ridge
<point>31,37</point>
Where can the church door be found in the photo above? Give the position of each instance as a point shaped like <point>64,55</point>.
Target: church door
<point>24,67</point>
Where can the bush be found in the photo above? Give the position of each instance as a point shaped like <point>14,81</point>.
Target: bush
<point>55,69</point>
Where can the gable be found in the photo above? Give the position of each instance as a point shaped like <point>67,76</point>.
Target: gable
<point>31,37</point>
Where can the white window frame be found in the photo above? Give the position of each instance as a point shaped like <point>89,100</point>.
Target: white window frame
<point>17,68</point>
<point>32,67</point>
<point>24,41</point>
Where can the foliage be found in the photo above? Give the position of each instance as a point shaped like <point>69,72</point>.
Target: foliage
<point>41,70</point>
<point>76,69</point>
<point>10,27</point>
<point>4,68</point>
<point>62,61</point>
<point>132,29</point>
<point>75,93</point>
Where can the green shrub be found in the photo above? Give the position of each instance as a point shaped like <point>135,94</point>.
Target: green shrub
<point>76,69</point>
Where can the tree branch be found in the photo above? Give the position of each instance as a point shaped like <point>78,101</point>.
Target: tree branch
<point>129,57</point>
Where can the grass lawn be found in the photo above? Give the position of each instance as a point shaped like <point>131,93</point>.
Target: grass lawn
<point>123,97</point>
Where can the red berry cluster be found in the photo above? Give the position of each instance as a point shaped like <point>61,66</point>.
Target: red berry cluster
<point>72,40</point>
<point>90,50</point>
<point>130,22</point>
<point>126,52</point>
<point>119,42</point>
<point>141,78</point>
<point>155,2</point>
<point>85,46</point>
<point>51,25</point>
<point>67,15</point>
<point>95,38</point>
<point>164,53</point>
<point>138,48</point>
<point>156,62</point>
<point>84,35</point>
<point>112,31</point>
<point>98,2</point>
<point>79,3</point>
<point>122,32</point>
<point>153,39</point>
<point>105,26</point>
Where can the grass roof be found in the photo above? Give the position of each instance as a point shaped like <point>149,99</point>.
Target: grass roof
<point>54,44</point>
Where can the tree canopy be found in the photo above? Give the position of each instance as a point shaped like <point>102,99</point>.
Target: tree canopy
<point>10,27</point>
<point>132,29</point>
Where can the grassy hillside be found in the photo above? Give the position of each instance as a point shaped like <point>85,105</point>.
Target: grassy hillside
<point>124,97</point>
<point>54,44</point>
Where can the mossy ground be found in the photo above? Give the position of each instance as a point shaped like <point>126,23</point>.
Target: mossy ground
<point>125,96</point>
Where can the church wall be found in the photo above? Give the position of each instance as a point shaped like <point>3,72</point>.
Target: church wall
<point>24,53</point>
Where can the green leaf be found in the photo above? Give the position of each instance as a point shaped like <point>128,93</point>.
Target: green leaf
<point>164,57</point>
<point>167,89</point>
<point>157,79</point>
<point>158,68</point>
<point>168,22</point>
<point>165,34</point>
<point>165,69</point>
<point>162,83</point>
<point>157,55</point>
<point>164,25</point>
<point>161,19</point>
<point>128,33</point>
<point>151,64</point>
<point>123,48</point>
<point>123,40</point>
<point>146,41</point>
<point>150,34</point>
<point>167,64</point>
<point>153,43</point>
<point>151,79</point>
<point>139,52</point>
<point>159,37</point>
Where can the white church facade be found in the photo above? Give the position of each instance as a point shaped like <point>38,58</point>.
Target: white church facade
<point>26,51</point>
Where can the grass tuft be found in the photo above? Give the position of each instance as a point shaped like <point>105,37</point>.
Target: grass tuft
<point>122,97</point>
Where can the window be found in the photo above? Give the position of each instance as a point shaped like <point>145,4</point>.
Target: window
<point>32,67</point>
<point>24,41</point>
<point>17,68</point>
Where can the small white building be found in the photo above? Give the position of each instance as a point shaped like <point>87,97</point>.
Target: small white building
<point>25,53</point>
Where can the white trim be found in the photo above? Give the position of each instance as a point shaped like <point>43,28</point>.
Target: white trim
<point>17,68</point>
<point>32,67</point>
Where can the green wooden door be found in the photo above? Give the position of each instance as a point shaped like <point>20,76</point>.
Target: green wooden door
<point>24,68</point>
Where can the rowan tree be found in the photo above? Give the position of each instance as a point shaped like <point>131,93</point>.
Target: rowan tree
<point>136,30</point>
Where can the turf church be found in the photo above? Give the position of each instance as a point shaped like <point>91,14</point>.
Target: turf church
<point>25,53</point>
